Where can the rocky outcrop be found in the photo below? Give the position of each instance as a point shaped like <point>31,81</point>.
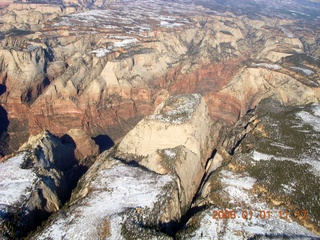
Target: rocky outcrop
<point>109,80</point>
<point>250,86</point>
<point>135,196</point>
<point>31,16</point>
<point>268,170</point>
<point>34,183</point>
<point>185,155</point>
<point>85,147</point>
<point>177,118</point>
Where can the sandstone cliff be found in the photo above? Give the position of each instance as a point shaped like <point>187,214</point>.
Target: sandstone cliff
<point>101,71</point>
<point>150,195</point>
<point>110,79</point>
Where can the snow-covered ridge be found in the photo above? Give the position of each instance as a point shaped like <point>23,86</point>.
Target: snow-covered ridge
<point>15,183</point>
<point>113,191</point>
<point>177,109</point>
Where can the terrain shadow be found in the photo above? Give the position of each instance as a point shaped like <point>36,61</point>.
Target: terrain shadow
<point>104,142</point>
<point>3,88</point>
<point>4,138</point>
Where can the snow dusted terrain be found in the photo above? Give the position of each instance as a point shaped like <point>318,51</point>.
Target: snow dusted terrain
<point>305,71</point>
<point>267,65</point>
<point>112,192</point>
<point>16,185</point>
<point>181,109</point>
<point>237,190</point>
<point>306,123</point>
<point>281,173</point>
<point>134,16</point>
<point>15,182</point>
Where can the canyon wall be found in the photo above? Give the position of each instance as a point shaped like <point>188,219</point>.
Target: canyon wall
<point>104,83</point>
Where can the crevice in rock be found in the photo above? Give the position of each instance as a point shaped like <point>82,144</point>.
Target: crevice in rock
<point>3,89</point>
<point>238,132</point>
<point>4,137</point>
<point>133,163</point>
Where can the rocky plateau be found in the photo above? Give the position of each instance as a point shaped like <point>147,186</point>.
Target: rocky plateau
<point>141,119</point>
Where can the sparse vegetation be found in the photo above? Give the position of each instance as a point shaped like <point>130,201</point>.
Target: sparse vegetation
<point>286,175</point>
<point>104,229</point>
<point>178,108</point>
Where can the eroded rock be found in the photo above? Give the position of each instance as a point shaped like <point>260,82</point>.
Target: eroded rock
<point>142,198</point>
<point>34,183</point>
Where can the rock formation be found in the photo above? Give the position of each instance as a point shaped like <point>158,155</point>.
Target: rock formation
<point>35,182</point>
<point>90,70</point>
<point>171,171</point>
<point>270,173</point>
<point>110,79</point>
<point>85,146</point>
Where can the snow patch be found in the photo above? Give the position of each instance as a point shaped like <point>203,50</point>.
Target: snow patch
<point>280,145</point>
<point>125,42</point>
<point>15,183</point>
<point>237,186</point>
<point>244,182</point>
<point>311,119</point>
<point>177,109</point>
<point>288,188</point>
<point>170,153</point>
<point>307,72</point>
<point>170,24</point>
<point>257,156</point>
<point>101,52</point>
<point>288,33</point>
<point>267,65</point>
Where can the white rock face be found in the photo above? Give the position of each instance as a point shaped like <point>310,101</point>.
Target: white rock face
<point>116,199</point>
<point>174,140</point>
<point>180,120</point>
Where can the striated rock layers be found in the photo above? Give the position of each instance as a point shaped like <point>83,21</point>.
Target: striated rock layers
<point>140,192</point>
<point>86,71</point>
<point>31,16</point>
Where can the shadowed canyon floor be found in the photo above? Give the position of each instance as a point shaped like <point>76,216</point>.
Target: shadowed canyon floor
<point>174,111</point>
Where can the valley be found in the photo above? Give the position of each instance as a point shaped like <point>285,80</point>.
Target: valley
<point>145,117</point>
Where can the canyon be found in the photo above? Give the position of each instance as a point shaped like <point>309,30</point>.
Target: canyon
<point>164,97</point>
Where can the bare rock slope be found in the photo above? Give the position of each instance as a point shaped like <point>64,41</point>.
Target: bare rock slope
<point>141,194</point>
<point>34,183</point>
<point>88,71</point>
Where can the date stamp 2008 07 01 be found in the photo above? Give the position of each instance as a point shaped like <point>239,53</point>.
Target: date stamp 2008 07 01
<point>262,214</point>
